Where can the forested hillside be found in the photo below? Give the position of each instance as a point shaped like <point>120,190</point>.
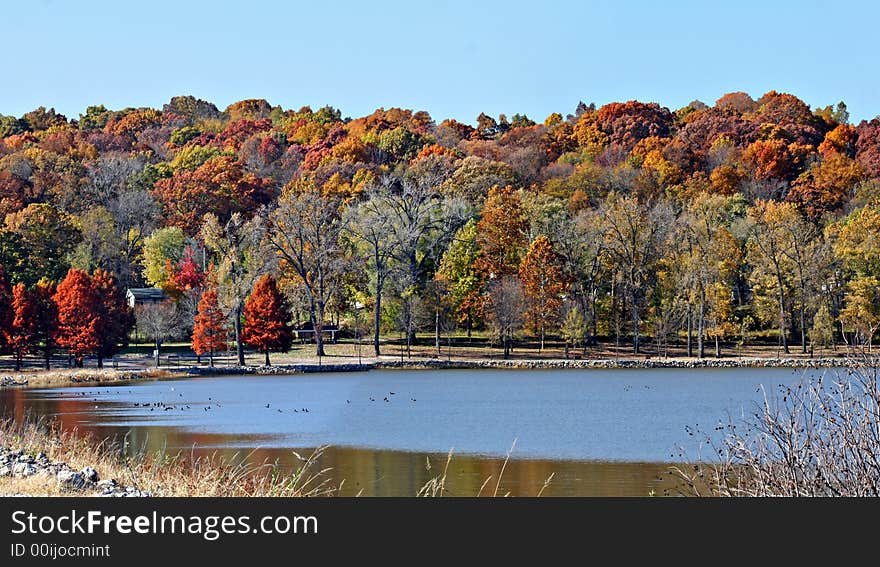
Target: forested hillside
<point>630,220</point>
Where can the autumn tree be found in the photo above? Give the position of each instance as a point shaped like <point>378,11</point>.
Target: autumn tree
<point>218,186</point>
<point>861,312</point>
<point>460,277</point>
<point>502,233</point>
<point>209,333</point>
<point>544,283</point>
<point>46,236</point>
<point>23,332</point>
<point>79,313</point>
<point>768,250</point>
<point>630,240</point>
<point>162,250</point>
<point>267,318</point>
<point>709,260</point>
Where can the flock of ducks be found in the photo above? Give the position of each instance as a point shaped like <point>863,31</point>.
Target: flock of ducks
<point>162,406</point>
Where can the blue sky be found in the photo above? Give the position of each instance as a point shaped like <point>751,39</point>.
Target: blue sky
<point>451,58</point>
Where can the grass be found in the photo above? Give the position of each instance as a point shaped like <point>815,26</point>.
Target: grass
<point>161,474</point>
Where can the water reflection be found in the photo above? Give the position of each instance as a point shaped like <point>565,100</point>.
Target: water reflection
<point>598,433</point>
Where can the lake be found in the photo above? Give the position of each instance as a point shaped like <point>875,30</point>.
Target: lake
<point>598,432</point>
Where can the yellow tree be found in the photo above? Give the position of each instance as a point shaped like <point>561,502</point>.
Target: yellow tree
<point>861,313</point>
<point>768,251</point>
<point>711,258</point>
<point>544,283</point>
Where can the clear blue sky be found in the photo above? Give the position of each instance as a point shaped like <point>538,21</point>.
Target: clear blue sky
<point>451,58</point>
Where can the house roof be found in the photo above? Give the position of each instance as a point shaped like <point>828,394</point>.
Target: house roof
<point>147,293</point>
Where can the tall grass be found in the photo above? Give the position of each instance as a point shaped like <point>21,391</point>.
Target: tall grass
<point>164,474</point>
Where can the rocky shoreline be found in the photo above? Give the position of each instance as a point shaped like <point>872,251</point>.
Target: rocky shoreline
<point>110,375</point>
<point>85,482</point>
<point>548,364</point>
<point>625,363</point>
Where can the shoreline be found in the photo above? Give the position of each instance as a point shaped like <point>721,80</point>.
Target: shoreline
<point>64,376</point>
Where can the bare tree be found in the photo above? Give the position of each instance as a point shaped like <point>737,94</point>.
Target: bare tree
<point>423,224</point>
<point>506,306</point>
<point>306,226</point>
<point>160,321</point>
<point>631,235</point>
<point>369,223</point>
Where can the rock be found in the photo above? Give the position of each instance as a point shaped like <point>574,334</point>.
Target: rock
<point>90,474</point>
<point>71,479</point>
<point>108,483</point>
<point>23,469</point>
<point>5,471</point>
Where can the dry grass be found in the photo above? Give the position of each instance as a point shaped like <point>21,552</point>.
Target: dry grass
<point>436,486</point>
<point>161,474</point>
<point>820,437</point>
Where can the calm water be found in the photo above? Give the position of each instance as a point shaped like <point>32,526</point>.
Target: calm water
<point>599,432</point>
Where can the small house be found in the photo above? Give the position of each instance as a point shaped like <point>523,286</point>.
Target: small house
<point>145,296</point>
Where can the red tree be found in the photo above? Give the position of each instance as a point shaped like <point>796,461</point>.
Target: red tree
<point>46,317</point>
<point>79,315</point>
<point>267,318</point>
<point>209,332</point>
<point>188,275</point>
<point>115,318</point>
<point>23,336</point>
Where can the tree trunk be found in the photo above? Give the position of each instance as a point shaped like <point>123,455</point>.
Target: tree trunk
<point>48,355</point>
<point>783,337</point>
<point>690,332</point>
<point>238,346</point>
<point>437,331</point>
<point>541,350</point>
<point>318,327</point>
<point>158,358</point>
<point>18,361</point>
<point>267,357</point>
<point>701,330</point>
<point>100,360</point>
<point>377,314</point>
<point>803,327</point>
<point>211,358</point>
<point>717,347</point>
<point>635,319</point>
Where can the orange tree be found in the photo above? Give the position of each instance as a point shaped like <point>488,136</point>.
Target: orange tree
<point>267,318</point>
<point>79,324</point>
<point>543,285</point>
<point>24,323</point>
<point>209,332</point>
